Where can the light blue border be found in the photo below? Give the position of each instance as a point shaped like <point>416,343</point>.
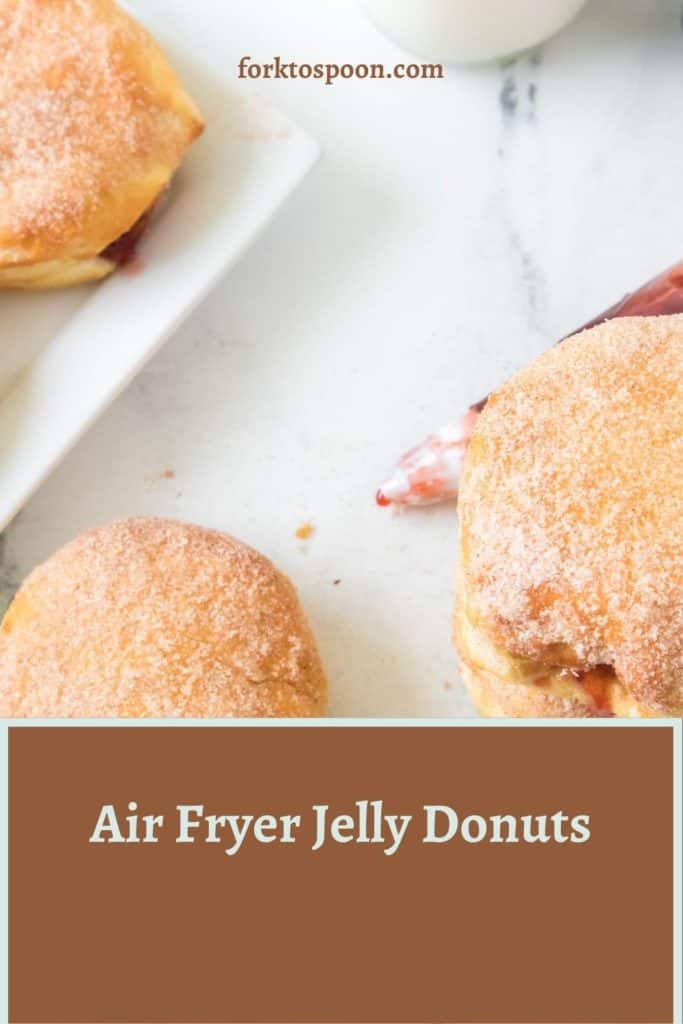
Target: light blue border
<point>678,870</point>
<point>4,872</point>
<point>675,724</point>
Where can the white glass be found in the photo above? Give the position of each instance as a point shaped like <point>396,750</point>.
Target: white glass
<point>470,31</point>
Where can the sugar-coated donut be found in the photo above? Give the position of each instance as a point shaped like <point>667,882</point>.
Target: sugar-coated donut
<point>93,124</point>
<point>158,618</point>
<point>569,594</point>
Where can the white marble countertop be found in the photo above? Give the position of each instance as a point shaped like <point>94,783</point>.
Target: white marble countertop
<point>451,231</point>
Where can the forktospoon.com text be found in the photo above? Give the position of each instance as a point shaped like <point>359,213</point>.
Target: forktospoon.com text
<point>329,74</point>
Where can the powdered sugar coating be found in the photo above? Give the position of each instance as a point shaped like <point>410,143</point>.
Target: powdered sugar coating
<point>572,509</point>
<point>93,122</point>
<point>151,617</point>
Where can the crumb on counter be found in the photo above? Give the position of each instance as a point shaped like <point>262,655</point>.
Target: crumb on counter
<point>305,531</point>
<point>165,474</point>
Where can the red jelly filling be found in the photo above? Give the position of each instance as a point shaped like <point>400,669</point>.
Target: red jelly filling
<point>124,249</point>
<point>596,684</point>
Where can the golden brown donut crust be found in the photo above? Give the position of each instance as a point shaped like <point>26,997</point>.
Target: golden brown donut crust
<point>158,618</point>
<point>506,685</point>
<point>495,699</point>
<point>571,522</point>
<point>93,123</point>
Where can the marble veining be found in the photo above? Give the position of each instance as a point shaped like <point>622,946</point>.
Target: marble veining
<point>9,581</point>
<point>519,154</point>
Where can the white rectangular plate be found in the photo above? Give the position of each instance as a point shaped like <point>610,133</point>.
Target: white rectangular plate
<point>66,355</point>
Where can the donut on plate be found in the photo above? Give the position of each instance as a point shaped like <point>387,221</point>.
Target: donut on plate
<point>93,124</point>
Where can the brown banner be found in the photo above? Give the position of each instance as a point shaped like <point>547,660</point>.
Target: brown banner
<point>547,899</point>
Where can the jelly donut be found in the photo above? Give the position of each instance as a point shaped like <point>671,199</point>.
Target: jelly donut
<point>569,594</point>
<point>158,618</point>
<point>93,124</point>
